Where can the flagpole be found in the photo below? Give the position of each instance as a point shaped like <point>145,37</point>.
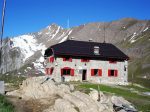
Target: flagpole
<point>2,30</point>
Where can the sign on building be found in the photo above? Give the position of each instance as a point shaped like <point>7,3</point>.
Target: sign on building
<point>2,91</point>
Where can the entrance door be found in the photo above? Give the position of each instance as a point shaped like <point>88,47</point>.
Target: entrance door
<point>84,75</point>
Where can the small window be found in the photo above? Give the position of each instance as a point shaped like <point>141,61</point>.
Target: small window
<point>66,71</point>
<point>113,62</point>
<point>67,59</point>
<point>113,73</point>
<point>96,50</point>
<point>96,72</point>
<point>125,68</point>
<point>85,60</point>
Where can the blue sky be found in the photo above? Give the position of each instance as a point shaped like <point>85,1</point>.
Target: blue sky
<point>24,16</point>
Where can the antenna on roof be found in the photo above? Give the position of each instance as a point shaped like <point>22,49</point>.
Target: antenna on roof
<point>68,26</point>
<point>68,23</point>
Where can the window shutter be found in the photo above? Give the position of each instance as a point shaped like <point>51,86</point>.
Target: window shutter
<point>109,72</point>
<point>50,70</point>
<point>72,72</point>
<point>61,71</point>
<point>116,73</point>
<point>113,62</point>
<point>52,59</point>
<point>46,71</point>
<point>100,72</point>
<point>49,59</point>
<point>64,59</point>
<point>92,72</point>
<point>70,59</point>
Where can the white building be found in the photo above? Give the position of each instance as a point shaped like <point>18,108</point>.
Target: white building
<point>86,61</point>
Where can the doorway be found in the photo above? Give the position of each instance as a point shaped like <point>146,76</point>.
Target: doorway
<point>84,75</point>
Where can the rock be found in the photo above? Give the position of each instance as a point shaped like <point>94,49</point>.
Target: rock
<point>94,94</point>
<point>32,88</point>
<point>61,98</point>
<point>62,105</point>
<point>71,87</point>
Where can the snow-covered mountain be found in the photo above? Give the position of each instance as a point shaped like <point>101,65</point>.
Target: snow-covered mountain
<point>24,54</point>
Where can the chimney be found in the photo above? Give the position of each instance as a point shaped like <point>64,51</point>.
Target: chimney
<point>96,50</point>
<point>90,40</point>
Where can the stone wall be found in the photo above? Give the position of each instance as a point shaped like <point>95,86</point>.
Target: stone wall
<point>78,66</point>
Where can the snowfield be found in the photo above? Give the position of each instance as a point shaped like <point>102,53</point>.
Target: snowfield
<point>28,45</point>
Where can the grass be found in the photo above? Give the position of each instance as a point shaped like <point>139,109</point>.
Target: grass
<point>5,105</point>
<point>141,102</point>
<point>13,79</point>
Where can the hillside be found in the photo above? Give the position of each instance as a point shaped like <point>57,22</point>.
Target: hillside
<point>23,55</point>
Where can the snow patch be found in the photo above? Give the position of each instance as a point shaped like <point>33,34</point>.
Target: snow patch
<point>55,33</point>
<point>145,29</point>
<point>132,39</point>
<point>39,33</point>
<point>65,38</point>
<point>61,36</point>
<point>38,64</point>
<point>28,45</point>
<point>29,68</point>
<point>48,27</point>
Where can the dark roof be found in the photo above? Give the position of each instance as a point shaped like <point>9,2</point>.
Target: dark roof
<point>86,49</point>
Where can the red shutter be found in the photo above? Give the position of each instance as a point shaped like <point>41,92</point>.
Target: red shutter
<point>85,60</point>
<point>72,72</point>
<point>46,71</point>
<point>50,71</point>
<point>52,59</point>
<point>64,59</point>
<point>109,72</point>
<point>70,59</point>
<point>100,72</point>
<point>116,73</point>
<point>113,62</point>
<point>92,72</point>
<point>82,60</point>
<point>61,71</point>
<point>49,59</point>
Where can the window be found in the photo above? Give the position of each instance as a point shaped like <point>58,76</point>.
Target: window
<point>49,71</point>
<point>125,68</point>
<point>67,71</point>
<point>96,72</point>
<point>96,50</point>
<point>112,73</point>
<point>67,59</point>
<point>112,61</point>
<point>85,60</point>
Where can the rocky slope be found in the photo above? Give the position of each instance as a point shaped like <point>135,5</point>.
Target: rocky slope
<point>66,98</point>
<point>24,54</point>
